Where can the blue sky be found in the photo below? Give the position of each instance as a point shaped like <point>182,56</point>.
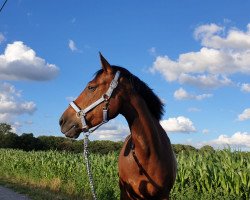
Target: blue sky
<point>194,54</point>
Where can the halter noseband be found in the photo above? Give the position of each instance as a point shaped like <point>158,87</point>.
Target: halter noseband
<point>81,113</point>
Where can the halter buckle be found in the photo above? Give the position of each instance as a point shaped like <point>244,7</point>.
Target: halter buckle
<point>80,114</point>
<point>105,97</point>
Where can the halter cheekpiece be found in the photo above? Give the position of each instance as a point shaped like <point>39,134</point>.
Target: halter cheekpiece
<point>81,113</point>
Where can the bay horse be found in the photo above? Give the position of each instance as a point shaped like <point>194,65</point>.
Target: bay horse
<point>147,164</point>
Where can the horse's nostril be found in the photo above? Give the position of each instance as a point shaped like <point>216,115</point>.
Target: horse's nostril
<point>61,121</point>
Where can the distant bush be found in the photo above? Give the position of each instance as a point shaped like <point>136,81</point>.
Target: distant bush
<point>207,148</point>
<point>178,148</point>
<point>28,142</point>
<point>105,146</point>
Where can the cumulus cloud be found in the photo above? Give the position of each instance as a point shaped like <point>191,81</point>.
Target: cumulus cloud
<point>205,131</point>
<point>73,20</point>
<point>15,127</point>
<point>238,139</point>
<point>245,87</point>
<point>205,81</point>
<point>12,104</point>
<point>244,115</point>
<point>20,62</point>
<point>206,31</point>
<point>69,99</point>
<point>2,38</point>
<point>182,94</point>
<point>72,45</point>
<point>152,51</point>
<point>221,55</point>
<point>179,124</point>
<point>112,131</point>
<point>235,39</point>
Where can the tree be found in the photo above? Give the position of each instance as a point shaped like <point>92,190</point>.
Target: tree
<point>5,128</point>
<point>28,142</point>
<point>51,142</point>
<point>7,138</point>
<point>10,140</point>
<point>178,148</point>
<point>207,148</point>
<point>104,146</point>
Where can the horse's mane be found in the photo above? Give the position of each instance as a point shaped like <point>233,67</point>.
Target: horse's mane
<point>153,102</point>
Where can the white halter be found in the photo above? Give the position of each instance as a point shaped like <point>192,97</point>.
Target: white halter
<point>81,113</point>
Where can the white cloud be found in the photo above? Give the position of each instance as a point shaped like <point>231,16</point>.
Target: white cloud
<point>152,51</point>
<point>5,117</point>
<point>235,39</point>
<point>182,94</point>
<point>11,103</point>
<point>15,127</point>
<point>69,99</point>
<point>206,31</point>
<point>19,62</point>
<point>205,131</point>
<point>193,109</point>
<point>238,139</point>
<point>205,81</point>
<point>164,101</point>
<point>211,66</point>
<point>112,131</point>
<point>73,20</point>
<point>244,115</point>
<point>72,45</point>
<point>245,87</point>
<point>2,38</point>
<point>179,124</point>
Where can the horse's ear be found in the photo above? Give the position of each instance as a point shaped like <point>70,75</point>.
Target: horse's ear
<point>105,65</point>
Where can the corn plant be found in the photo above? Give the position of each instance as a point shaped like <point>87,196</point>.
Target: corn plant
<point>220,175</point>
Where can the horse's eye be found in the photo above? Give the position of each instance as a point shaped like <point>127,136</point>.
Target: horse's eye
<point>92,88</point>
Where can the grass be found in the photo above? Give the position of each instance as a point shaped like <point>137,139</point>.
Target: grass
<point>60,175</point>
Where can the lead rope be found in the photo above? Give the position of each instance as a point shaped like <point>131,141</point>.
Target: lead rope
<point>86,157</point>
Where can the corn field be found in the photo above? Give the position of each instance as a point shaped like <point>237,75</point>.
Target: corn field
<point>218,175</point>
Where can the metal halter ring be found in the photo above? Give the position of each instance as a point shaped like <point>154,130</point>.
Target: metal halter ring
<point>80,114</point>
<point>105,97</point>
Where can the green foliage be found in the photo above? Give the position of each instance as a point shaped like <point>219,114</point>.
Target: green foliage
<point>105,146</point>
<point>5,128</point>
<point>28,142</point>
<point>179,148</point>
<point>7,138</point>
<point>62,171</point>
<point>61,144</point>
<point>207,148</point>
<point>221,175</point>
<point>215,175</point>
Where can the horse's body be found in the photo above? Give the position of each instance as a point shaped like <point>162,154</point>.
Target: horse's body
<point>147,165</point>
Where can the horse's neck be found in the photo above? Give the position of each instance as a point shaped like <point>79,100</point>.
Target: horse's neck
<point>145,129</point>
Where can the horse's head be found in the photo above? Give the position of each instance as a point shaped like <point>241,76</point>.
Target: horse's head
<point>72,123</point>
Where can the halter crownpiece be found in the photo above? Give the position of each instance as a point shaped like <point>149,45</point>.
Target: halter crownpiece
<point>81,113</point>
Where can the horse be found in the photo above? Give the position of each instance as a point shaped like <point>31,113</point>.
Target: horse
<point>147,164</point>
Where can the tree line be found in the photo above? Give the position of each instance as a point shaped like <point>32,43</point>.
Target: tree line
<point>28,142</point>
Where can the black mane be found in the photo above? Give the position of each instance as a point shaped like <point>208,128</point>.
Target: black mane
<point>153,102</point>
